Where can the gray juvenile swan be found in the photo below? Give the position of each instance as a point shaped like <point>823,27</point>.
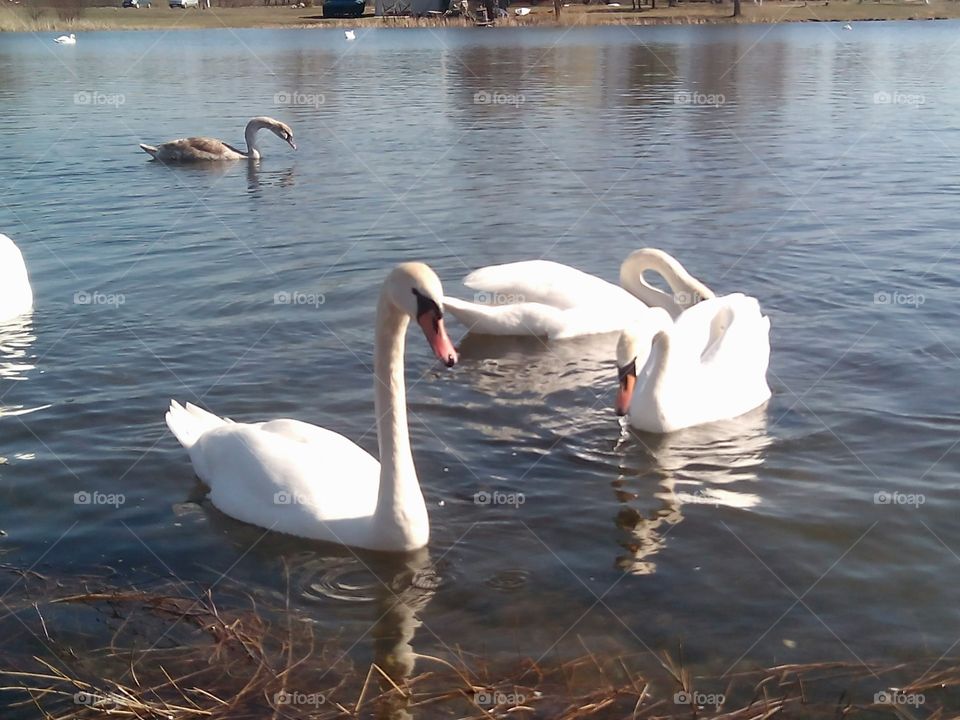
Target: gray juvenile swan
<point>201,149</point>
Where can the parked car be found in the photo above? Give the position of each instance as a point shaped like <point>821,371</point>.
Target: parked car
<point>135,4</point>
<point>343,8</point>
<point>184,4</point>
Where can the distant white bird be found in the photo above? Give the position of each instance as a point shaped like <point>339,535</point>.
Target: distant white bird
<point>349,34</point>
<point>70,39</point>
<point>521,11</point>
<point>848,26</point>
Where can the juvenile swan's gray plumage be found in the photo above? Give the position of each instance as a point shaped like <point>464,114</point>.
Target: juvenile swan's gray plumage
<point>201,149</point>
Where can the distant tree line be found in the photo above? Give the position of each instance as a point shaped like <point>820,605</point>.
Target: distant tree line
<point>65,9</point>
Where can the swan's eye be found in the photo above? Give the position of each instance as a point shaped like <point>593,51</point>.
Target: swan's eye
<point>627,370</point>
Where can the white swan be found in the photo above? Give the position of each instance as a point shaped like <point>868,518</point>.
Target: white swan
<point>303,480</point>
<point>16,296</point>
<point>547,299</point>
<point>70,39</point>
<point>710,365</point>
<point>202,149</point>
<point>350,34</point>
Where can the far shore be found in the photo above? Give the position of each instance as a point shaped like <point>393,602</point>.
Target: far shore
<point>15,17</point>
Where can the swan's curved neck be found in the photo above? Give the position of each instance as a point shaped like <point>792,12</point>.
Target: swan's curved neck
<point>687,290</point>
<point>250,135</point>
<point>401,513</point>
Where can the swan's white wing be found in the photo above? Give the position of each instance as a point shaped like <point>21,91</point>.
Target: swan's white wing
<point>716,369</point>
<point>283,475</point>
<point>733,369</point>
<point>613,318</point>
<point>701,326</point>
<point>301,432</point>
<point>542,320</point>
<point>543,281</point>
<point>527,318</point>
<point>742,342</point>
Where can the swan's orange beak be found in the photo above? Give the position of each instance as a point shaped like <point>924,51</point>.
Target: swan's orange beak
<point>627,382</point>
<point>436,335</point>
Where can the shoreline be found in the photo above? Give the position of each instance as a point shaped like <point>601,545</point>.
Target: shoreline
<point>13,18</point>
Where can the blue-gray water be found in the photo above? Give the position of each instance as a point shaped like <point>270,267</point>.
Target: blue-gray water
<point>760,542</point>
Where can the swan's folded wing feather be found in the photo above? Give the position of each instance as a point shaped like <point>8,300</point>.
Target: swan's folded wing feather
<point>742,342</point>
<point>701,328</point>
<point>301,432</point>
<point>542,281</point>
<point>528,318</point>
<point>273,473</point>
<point>194,148</point>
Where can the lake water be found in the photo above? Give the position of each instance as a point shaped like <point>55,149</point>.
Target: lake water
<point>813,168</point>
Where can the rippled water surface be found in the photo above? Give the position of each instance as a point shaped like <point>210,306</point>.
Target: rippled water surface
<point>759,541</point>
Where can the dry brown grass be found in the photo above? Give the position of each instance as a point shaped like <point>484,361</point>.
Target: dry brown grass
<point>178,655</point>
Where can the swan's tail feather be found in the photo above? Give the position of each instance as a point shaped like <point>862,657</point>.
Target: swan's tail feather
<point>189,422</point>
<point>149,149</point>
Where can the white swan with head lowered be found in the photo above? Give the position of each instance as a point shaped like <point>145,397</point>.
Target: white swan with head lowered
<point>16,295</point>
<point>202,149</point>
<point>547,299</point>
<point>304,480</point>
<point>709,365</point>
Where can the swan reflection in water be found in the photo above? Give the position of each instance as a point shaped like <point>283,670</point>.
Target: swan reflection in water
<point>397,589</point>
<point>704,465</point>
<point>257,177</point>
<point>16,361</point>
<point>510,366</point>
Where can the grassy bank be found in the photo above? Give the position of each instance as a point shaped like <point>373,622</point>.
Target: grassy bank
<point>181,652</point>
<point>14,17</point>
